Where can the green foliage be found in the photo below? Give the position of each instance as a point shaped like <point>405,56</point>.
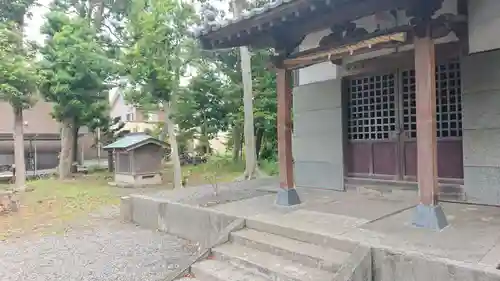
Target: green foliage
<point>75,68</point>
<point>158,50</point>
<point>264,87</point>
<point>265,106</point>
<point>202,107</point>
<point>18,74</point>
<point>14,10</point>
<point>219,168</point>
<point>270,167</point>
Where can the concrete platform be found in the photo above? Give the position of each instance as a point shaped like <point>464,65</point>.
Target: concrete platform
<point>468,249</point>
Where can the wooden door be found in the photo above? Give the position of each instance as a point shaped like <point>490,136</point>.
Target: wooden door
<point>448,117</point>
<point>372,126</point>
<point>382,127</point>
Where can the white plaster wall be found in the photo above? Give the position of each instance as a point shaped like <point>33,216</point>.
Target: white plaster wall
<point>317,135</point>
<point>481,127</point>
<point>318,72</point>
<point>484,25</point>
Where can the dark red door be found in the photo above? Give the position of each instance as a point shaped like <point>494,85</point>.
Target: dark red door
<point>448,117</point>
<point>381,126</point>
<point>373,141</point>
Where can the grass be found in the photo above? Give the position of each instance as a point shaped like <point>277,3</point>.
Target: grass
<point>218,168</point>
<point>269,167</point>
<point>52,203</point>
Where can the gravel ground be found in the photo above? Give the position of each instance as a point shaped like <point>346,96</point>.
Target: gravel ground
<point>101,248</point>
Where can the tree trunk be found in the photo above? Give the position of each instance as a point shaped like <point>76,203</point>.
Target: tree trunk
<point>258,141</point>
<point>236,143</point>
<point>250,154</point>
<point>174,156</point>
<point>66,145</point>
<point>19,161</point>
<point>248,128</point>
<point>111,163</point>
<point>99,15</point>
<point>204,141</point>
<point>74,145</point>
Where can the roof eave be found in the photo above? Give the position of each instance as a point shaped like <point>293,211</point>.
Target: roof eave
<point>145,142</point>
<point>292,21</point>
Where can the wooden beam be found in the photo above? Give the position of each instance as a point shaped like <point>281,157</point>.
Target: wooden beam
<point>320,54</point>
<point>400,60</point>
<point>426,120</point>
<point>284,127</point>
<point>368,43</point>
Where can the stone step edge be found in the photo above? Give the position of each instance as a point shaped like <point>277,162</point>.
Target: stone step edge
<point>259,263</point>
<point>302,235</point>
<point>308,254</point>
<point>215,270</point>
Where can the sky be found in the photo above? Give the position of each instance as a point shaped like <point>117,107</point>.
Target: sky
<point>33,25</point>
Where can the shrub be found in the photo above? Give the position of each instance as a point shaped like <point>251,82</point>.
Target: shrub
<point>269,167</point>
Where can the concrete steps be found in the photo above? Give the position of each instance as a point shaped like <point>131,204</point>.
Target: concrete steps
<point>271,266</point>
<point>254,254</point>
<point>214,270</point>
<point>305,253</point>
<point>302,235</point>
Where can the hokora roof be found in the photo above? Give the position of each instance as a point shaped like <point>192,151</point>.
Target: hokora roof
<point>134,140</point>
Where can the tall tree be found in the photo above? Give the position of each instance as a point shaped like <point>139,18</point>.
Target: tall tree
<point>106,17</point>
<point>76,70</point>
<point>18,80</point>
<point>158,52</point>
<point>251,168</point>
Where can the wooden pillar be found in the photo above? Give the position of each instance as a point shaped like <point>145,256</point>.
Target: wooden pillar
<point>287,195</point>
<point>429,214</point>
<point>426,120</point>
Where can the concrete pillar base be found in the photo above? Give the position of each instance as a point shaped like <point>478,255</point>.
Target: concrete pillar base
<point>430,217</point>
<point>287,197</point>
<point>126,212</point>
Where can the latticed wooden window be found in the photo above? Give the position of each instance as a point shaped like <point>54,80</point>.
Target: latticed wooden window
<point>448,101</point>
<point>372,107</point>
<point>409,103</point>
<point>123,163</point>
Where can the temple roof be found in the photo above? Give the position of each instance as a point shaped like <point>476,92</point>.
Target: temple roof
<point>282,24</point>
<point>246,15</point>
